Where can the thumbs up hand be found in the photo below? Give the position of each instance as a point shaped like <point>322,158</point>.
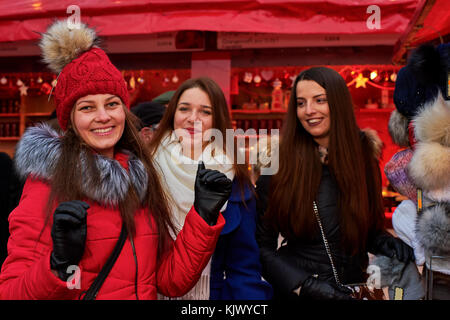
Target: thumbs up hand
<point>212,190</point>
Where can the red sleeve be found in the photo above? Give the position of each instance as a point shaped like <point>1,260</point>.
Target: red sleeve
<point>26,273</point>
<point>189,254</point>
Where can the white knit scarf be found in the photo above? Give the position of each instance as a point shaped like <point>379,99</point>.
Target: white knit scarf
<point>178,174</point>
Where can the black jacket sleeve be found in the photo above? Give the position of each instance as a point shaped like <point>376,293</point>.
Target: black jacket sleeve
<point>278,266</point>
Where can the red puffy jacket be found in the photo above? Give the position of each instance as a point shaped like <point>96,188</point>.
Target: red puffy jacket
<point>26,272</point>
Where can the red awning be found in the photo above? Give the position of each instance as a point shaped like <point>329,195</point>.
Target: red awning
<point>437,23</point>
<point>22,19</point>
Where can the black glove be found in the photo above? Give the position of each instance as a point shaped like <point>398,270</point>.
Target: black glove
<point>212,190</point>
<point>316,289</point>
<point>69,236</point>
<point>389,246</point>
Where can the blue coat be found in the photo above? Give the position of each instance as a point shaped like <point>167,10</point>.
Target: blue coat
<point>235,265</point>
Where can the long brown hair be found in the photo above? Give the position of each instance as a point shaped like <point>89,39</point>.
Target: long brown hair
<point>68,169</point>
<point>220,115</point>
<point>350,159</point>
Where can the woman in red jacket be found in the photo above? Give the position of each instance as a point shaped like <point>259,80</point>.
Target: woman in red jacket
<point>95,180</point>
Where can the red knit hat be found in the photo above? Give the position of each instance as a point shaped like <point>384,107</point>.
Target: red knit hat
<point>83,68</point>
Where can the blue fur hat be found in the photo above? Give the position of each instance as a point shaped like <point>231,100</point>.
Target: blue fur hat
<point>421,79</point>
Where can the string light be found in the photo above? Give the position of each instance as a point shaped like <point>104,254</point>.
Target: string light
<point>393,76</point>
<point>248,76</point>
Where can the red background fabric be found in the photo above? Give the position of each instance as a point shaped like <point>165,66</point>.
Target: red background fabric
<point>23,19</point>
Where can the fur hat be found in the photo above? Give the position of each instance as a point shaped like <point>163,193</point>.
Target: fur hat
<point>421,79</point>
<point>418,84</point>
<point>433,229</point>
<point>430,165</point>
<point>82,66</point>
<point>429,169</point>
<point>421,99</point>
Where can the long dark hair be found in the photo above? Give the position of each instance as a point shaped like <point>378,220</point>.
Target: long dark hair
<point>350,159</point>
<point>68,169</point>
<point>220,115</point>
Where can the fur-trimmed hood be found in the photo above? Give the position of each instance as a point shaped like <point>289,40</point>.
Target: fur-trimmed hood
<point>375,142</point>
<point>40,148</point>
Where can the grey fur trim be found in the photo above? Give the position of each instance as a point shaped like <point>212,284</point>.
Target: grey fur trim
<point>433,229</point>
<point>114,182</point>
<point>39,150</point>
<point>138,176</point>
<point>398,129</point>
<point>390,269</point>
<point>396,274</point>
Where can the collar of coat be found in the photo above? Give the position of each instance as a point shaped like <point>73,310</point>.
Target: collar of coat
<point>40,148</point>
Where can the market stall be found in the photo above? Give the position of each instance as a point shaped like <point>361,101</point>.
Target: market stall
<point>253,49</point>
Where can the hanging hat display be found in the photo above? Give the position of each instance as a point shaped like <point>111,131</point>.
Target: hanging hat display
<point>417,85</point>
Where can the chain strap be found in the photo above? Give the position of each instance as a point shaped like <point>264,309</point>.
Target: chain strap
<point>325,241</point>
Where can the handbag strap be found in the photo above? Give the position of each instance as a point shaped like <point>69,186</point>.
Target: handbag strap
<point>91,293</point>
<point>325,242</point>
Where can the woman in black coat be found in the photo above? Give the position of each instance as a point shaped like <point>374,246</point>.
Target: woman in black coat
<point>328,181</point>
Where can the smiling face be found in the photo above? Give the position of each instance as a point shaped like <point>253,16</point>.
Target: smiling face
<point>313,111</point>
<point>193,111</point>
<point>99,120</point>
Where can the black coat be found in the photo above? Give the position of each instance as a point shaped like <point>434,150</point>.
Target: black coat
<point>287,267</point>
<point>10,191</point>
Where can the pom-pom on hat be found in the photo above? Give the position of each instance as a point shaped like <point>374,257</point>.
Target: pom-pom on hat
<point>83,67</point>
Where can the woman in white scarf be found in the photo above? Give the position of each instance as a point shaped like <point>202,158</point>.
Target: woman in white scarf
<point>194,128</point>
